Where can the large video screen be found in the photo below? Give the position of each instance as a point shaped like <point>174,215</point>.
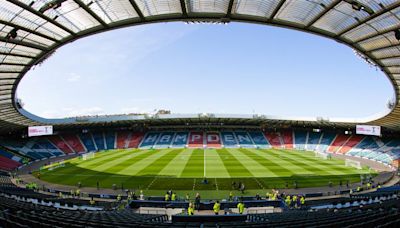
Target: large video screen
<point>368,130</point>
<point>40,130</point>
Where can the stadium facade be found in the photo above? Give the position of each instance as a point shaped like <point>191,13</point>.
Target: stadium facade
<point>33,30</point>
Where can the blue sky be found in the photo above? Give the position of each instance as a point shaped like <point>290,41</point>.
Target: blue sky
<point>236,68</point>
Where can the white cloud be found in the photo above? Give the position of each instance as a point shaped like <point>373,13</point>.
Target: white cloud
<point>73,77</point>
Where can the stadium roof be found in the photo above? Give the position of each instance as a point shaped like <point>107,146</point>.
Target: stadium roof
<point>31,30</point>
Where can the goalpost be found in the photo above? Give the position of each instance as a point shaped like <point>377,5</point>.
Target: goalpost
<point>88,156</point>
<point>322,155</point>
<point>352,163</point>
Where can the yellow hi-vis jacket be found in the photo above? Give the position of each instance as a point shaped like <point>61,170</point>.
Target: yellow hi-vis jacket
<point>216,207</point>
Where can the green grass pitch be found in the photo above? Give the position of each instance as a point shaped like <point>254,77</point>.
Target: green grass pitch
<point>184,169</point>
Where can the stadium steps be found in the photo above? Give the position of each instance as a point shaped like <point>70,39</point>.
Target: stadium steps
<point>288,139</point>
<point>274,139</point>
<point>14,152</point>
<point>338,142</point>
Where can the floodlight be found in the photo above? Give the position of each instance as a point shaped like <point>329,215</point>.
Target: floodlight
<point>12,34</point>
<point>397,34</point>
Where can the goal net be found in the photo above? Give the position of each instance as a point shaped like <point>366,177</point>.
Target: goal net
<point>322,155</point>
<point>352,163</point>
<point>88,156</point>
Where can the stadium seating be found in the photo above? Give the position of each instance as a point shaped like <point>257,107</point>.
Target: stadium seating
<point>313,140</point>
<point>180,139</point>
<point>300,139</point>
<point>88,142</point>
<point>259,139</point>
<point>74,142</point>
<point>98,138</point>
<point>135,139</point>
<point>8,164</point>
<point>326,140</point>
<point>384,150</point>
<point>196,139</point>
<point>229,139</point>
<point>61,144</point>
<point>110,140</point>
<point>287,137</point>
<point>353,141</point>
<point>165,140</point>
<point>244,139</point>
<point>122,138</point>
<point>274,139</point>
<point>213,140</point>
<point>10,155</point>
<point>46,146</point>
<point>149,140</point>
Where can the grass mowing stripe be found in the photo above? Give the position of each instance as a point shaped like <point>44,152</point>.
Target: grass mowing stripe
<point>281,164</point>
<point>316,165</point>
<point>111,165</point>
<point>114,167</point>
<point>312,166</point>
<point>334,164</point>
<point>70,167</point>
<point>156,166</point>
<point>134,168</point>
<point>112,157</point>
<point>255,168</point>
<point>195,166</point>
<point>176,166</point>
<point>214,165</point>
<point>260,162</point>
<point>232,165</point>
<point>99,156</point>
<point>269,162</point>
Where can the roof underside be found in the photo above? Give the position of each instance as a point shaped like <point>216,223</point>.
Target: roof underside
<point>31,30</point>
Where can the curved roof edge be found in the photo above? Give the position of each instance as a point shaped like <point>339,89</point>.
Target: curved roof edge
<point>32,30</point>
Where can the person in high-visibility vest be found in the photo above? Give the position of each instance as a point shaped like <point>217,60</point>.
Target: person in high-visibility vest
<point>274,196</point>
<point>173,196</point>
<point>231,196</point>
<point>191,209</point>
<point>288,201</point>
<point>217,207</point>
<point>302,201</point>
<point>166,197</point>
<point>294,201</point>
<point>240,206</point>
<point>267,196</point>
<point>379,186</point>
<point>119,197</point>
<point>60,195</point>
<point>358,189</point>
<point>368,185</point>
<point>78,193</point>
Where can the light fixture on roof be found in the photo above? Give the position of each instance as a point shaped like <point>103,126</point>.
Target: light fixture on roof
<point>397,34</point>
<point>356,5</point>
<point>12,34</point>
<point>221,21</point>
<point>51,5</point>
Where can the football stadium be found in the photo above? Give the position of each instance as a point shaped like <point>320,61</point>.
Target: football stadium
<point>165,169</point>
